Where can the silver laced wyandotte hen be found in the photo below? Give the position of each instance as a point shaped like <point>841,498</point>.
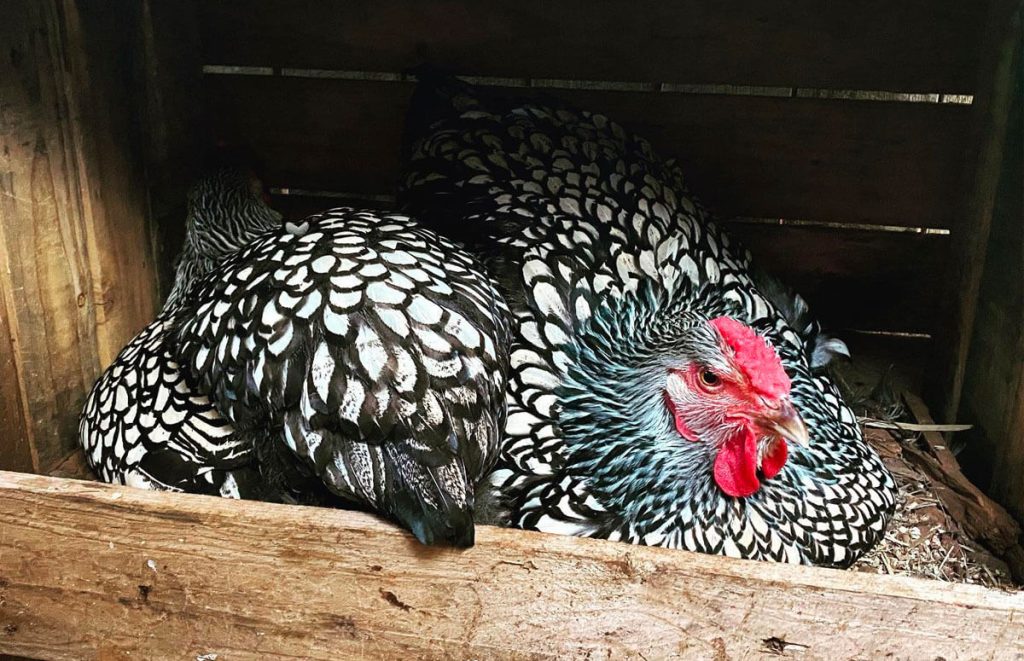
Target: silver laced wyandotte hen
<point>376,351</point>
<point>656,395</point>
<point>351,359</point>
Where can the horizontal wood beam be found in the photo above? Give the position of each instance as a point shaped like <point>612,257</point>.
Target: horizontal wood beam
<point>912,45</point>
<point>89,569</point>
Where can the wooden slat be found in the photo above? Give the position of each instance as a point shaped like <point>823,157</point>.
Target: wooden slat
<point>994,371</point>
<point>15,444</point>
<point>853,279</point>
<point>173,109</point>
<point>913,45</point>
<point>157,575</point>
<point>102,41</point>
<point>75,269</point>
<point>881,163</point>
<point>997,87</point>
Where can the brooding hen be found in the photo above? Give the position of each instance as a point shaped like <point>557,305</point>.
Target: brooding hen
<point>351,358</point>
<point>374,350</point>
<point>656,395</point>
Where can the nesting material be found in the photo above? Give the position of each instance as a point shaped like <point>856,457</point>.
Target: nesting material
<point>944,527</point>
<point>923,539</point>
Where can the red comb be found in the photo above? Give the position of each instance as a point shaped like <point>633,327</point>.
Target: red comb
<point>753,355</point>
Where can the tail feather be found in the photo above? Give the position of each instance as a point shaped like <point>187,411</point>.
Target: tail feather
<point>434,502</point>
<point>822,349</point>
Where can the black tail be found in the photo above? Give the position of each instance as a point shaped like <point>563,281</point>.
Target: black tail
<point>436,510</point>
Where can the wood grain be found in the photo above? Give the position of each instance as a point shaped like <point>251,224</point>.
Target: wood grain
<point>914,45</point>
<point>158,575</point>
<point>15,444</point>
<point>103,40</point>
<point>75,255</point>
<point>821,159</point>
<point>996,92</point>
<point>994,372</point>
<point>172,103</point>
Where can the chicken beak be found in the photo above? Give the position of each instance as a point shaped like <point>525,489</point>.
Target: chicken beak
<point>786,423</point>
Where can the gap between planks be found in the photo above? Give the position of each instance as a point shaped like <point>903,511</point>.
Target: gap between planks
<point>604,85</point>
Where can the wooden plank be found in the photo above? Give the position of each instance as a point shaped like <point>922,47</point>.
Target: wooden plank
<point>15,444</point>
<point>821,159</point>
<point>994,374</point>
<point>103,42</point>
<point>45,279</point>
<point>853,279</point>
<point>156,575</point>
<point>173,108</point>
<point>914,45</point>
<point>985,158</point>
<point>75,268</point>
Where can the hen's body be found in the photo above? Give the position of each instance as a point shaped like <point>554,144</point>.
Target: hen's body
<point>607,261</point>
<point>371,348</point>
<point>353,358</point>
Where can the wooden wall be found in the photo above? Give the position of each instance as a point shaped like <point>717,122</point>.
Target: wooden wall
<point>994,384</point>
<point>734,89</point>
<point>98,103</point>
<point>75,250</point>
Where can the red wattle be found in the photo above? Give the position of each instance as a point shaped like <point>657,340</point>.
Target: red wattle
<point>736,465</point>
<point>775,459</point>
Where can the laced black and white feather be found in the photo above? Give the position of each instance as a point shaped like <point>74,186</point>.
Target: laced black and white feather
<point>375,351</point>
<point>143,424</point>
<point>602,253</point>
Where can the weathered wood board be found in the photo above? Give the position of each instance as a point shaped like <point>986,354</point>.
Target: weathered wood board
<point>77,278</point>
<point>91,570</point>
<point>994,370</point>
<point>997,89</point>
<point>913,45</point>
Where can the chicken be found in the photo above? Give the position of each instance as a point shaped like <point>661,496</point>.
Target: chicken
<point>656,395</point>
<point>372,349</point>
<point>353,359</point>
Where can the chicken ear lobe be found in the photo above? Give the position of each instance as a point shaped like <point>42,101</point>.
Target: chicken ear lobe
<point>736,465</point>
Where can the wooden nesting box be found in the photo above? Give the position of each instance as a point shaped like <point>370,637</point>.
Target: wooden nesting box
<point>870,153</point>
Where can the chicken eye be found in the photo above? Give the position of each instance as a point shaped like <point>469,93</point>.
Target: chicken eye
<point>709,379</point>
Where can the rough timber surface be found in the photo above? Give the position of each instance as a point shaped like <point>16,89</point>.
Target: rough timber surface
<point>912,45</point>
<point>76,269</point>
<point>161,575</point>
